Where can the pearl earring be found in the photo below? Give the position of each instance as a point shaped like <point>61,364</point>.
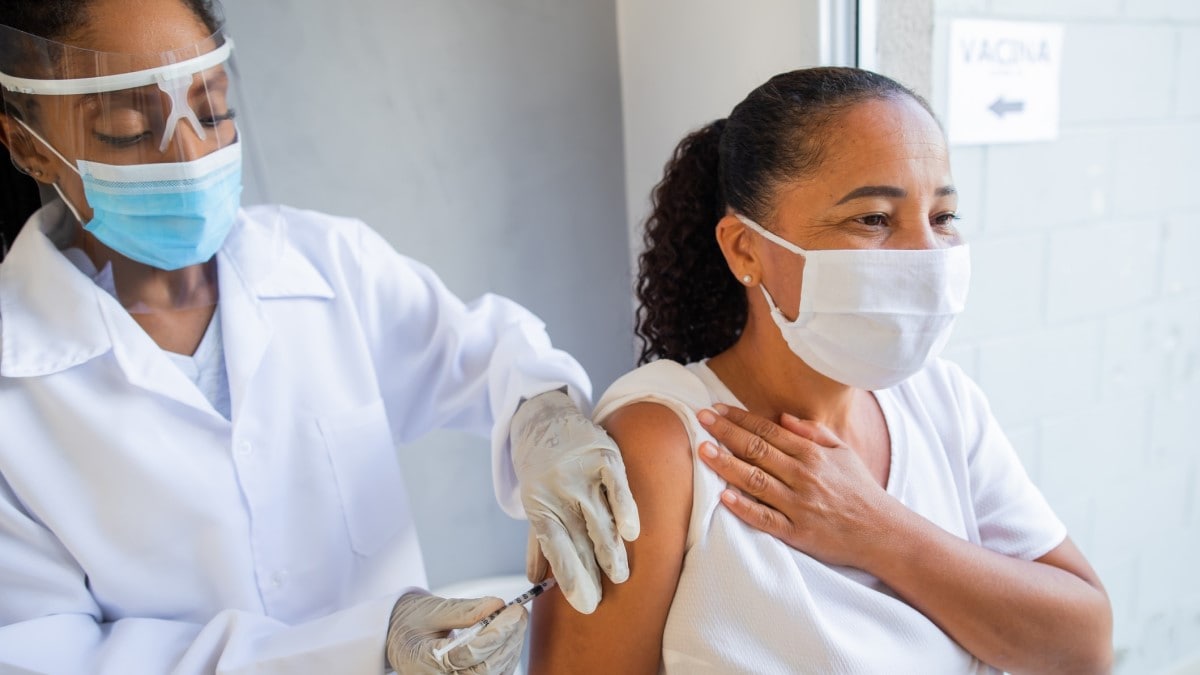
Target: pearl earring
<point>747,279</point>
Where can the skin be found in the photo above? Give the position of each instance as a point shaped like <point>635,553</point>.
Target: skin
<point>174,307</point>
<point>808,462</point>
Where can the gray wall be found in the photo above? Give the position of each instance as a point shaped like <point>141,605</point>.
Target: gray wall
<point>683,65</point>
<point>1083,325</point>
<point>481,138</point>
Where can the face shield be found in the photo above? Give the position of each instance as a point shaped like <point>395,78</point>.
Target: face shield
<point>143,149</point>
<point>121,108</point>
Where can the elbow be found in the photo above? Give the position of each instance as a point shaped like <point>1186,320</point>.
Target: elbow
<point>1091,649</point>
<point>1093,653</point>
<point>1101,658</point>
<point>1096,660</point>
<point>1105,661</point>
<point>1086,650</point>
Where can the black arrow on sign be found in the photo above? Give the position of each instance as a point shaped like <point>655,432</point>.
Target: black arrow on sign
<point>1000,107</point>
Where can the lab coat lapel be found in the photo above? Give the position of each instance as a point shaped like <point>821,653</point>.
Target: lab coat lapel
<point>55,318</point>
<point>52,317</point>
<point>144,362</point>
<point>258,265</point>
<point>245,331</point>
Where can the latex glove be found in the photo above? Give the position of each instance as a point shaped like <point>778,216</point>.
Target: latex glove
<point>576,495</point>
<point>419,625</point>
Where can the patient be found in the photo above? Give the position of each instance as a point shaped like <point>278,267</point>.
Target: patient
<point>818,492</point>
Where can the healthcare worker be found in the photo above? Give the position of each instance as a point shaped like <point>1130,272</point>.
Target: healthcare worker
<point>200,403</point>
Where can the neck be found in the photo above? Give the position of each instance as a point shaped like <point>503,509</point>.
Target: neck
<point>144,289</point>
<point>770,380</point>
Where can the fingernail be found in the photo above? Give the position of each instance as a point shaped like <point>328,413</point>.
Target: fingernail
<point>706,417</point>
<point>729,497</point>
<point>708,450</point>
<point>721,408</point>
<point>788,417</point>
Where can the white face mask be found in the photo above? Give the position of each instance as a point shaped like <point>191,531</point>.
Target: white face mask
<point>871,318</point>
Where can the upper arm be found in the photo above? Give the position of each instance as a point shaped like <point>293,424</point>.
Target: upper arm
<point>475,360</point>
<point>1068,558</point>
<point>1012,516</point>
<point>624,634</point>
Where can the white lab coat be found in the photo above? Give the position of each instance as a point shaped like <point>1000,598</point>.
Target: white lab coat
<point>142,532</point>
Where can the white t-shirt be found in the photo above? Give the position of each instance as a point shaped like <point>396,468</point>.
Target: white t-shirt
<point>748,603</point>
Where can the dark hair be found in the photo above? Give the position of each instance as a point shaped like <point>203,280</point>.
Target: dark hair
<point>57,20</point>
<point>691,307</point>
<point>60,20</point>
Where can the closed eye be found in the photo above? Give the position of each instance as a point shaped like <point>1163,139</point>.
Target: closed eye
<point>122,141</point>
<point>214,120</point>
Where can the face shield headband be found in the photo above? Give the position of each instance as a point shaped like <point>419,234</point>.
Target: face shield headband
<point>159,194</point>
<point>175,80</point>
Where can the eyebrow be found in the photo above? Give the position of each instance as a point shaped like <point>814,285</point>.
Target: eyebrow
<point>889,191</point>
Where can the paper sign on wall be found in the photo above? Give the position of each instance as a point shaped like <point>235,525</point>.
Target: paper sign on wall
<point>1004,81</point>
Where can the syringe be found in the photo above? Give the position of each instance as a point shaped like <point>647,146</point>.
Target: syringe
<point>465,634</point>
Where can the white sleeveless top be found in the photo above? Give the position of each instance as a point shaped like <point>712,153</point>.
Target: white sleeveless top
<point>748,603</point>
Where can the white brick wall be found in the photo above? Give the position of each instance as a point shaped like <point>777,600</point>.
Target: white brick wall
<point>1084,320</point>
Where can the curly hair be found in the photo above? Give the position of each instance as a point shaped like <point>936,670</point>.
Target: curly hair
<point>690,305</point>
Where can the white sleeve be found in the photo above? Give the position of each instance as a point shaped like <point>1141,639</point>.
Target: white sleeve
<point>445,364</point>
<point>50,623</point>
<point>1013,517</point>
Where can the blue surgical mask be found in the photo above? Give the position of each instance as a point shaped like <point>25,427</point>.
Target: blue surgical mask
<point>166,215</point>
<point>169,215</point>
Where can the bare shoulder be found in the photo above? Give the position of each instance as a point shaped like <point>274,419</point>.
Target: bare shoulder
<point>649,427</point>
<point>657,452</point>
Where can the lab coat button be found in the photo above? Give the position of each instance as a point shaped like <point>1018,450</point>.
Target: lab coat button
<point>245,449</point>
<point>279,579</point>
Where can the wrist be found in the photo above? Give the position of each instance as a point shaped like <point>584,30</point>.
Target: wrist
<point>888,536</point>
<point>563,390</point>
<point>536,412</point>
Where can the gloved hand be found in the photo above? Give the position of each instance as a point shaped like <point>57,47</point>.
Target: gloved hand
<point>419,624</point>
<point>576,495</point>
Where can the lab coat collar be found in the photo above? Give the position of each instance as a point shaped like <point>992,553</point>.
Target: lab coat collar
<point>50,312</point>
<point>53,317</point>
<point>266,262</point>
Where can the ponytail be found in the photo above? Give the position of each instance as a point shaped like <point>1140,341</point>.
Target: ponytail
<point>690,306</point>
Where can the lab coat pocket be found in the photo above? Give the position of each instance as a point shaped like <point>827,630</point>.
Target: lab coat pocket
<point>367,472</point>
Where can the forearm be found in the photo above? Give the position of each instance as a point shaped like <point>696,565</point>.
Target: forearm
<point>231,643</point>
<point>1018,615</point>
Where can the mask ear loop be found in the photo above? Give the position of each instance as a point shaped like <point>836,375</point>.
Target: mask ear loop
<point>771,236</point>
<point>177,89</point>
<point>787,246</point>
<point>61,195</point>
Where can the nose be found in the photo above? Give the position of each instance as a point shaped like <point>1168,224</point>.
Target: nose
<point>917,238</point>
<point>187,144</point>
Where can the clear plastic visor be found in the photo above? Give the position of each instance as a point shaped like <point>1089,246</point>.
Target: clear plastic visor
<point>87,109</point>
<point>121,108</point>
